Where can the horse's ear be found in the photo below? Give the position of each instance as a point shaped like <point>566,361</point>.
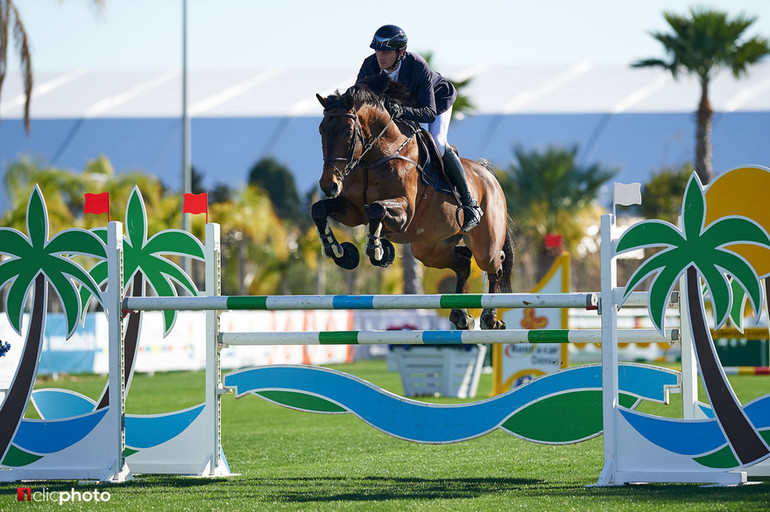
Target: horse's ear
<point>321,100</point>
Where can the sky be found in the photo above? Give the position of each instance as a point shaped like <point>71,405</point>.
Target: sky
<point>136,35</point>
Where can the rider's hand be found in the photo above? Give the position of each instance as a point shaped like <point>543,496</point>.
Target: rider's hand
<point>395,110</point>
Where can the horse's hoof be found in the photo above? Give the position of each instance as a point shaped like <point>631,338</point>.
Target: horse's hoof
<point>489,321</point>
<point>462,320</point>
<point>350,257</point>
<point>389,254</point>
<point>493,324</point>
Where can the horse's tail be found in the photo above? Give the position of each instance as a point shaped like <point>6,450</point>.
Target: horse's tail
<point>505,282</point>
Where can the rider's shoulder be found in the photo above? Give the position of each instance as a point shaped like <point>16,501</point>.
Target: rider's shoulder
<point>416,59</point>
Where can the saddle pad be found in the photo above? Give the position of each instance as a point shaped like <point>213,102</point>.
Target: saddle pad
<point>432,175</point>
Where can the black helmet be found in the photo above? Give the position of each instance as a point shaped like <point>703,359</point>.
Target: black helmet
<point>389,37</point>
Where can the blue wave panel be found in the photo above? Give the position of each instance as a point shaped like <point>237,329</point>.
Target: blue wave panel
<point>50,436</point>
<point>404,418</point>
<point>645,381</point>
<point>434,423</point>
<point>146,431</point>
<point>685,437</point>
<point>55,404</point>
<point>758,412</point>
<point>693,437</point>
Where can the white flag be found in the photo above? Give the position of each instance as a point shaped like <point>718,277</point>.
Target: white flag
<point>628,194</point>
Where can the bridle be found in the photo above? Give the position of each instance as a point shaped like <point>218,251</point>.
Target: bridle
<point>351,162</point>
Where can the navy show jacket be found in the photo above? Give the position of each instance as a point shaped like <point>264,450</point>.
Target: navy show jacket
<point>433,93</point>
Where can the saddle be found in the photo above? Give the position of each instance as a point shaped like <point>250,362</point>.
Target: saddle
<point>432,172</point>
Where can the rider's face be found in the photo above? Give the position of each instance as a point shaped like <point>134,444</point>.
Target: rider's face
<point>386,59</point>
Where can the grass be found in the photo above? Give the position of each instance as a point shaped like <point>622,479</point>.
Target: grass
<point>289,460</point>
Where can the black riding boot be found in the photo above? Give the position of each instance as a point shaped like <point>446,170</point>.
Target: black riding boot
<point>456,173</point>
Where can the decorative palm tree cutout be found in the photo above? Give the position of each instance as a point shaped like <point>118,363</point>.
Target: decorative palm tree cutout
<point>143,263</point>
<point>701,252</point>
<point>37,260</point>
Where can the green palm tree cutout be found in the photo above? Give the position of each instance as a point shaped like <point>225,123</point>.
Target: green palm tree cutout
<point>37,260</point>
<point>144,264</point>
<point>700,251</point>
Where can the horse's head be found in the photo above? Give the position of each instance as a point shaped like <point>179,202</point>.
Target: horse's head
<point>351,124</point>
<point>340,134</point>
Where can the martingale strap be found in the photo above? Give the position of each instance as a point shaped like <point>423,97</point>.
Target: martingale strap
<point>396,155</point>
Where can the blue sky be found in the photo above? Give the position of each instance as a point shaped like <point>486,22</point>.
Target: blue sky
<point>146,34</point>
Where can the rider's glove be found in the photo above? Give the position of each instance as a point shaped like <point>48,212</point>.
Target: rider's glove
<point>396,111</point>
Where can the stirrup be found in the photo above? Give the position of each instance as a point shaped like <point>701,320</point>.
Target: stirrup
<point>472,213</point>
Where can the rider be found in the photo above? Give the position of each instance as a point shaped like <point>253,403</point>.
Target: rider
<point>434,95</point>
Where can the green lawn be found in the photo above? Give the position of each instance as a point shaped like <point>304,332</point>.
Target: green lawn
<point>289,460</point>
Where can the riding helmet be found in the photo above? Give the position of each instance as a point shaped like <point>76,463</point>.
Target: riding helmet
<point>389,37</point>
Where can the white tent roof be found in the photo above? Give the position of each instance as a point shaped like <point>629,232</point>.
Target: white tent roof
<point>580,88</point>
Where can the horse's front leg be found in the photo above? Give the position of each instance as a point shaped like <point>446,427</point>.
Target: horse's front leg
<point>345,254</point>
<point>390,214</point>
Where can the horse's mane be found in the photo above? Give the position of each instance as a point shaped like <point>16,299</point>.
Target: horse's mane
<point>375,90</point>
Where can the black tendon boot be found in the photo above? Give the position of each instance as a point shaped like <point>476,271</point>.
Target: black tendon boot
<point>456,173</point>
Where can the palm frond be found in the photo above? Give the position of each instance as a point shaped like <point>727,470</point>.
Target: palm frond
<point>719,291</point>
<point>649,267</point>
<point>743,274</point>
<point>660,291</point>
<point>732,230</point>
<point>175,241</point>
<point>65,289</point>
<point>651,233</point>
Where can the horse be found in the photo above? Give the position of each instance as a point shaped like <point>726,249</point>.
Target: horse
<point>371,176</point>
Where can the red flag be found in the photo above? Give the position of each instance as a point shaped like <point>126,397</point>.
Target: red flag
<point>196,203</point>
<point>553,240</point>
<point>98,204</point>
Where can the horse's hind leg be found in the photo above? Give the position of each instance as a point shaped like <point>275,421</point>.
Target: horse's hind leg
<point>489,318</point>
<point>499,268</point>
<point>459,316</point>
<point>459,260</point>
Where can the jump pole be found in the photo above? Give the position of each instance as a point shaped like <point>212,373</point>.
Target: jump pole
<point>589,301</point>
<point>443,337</point>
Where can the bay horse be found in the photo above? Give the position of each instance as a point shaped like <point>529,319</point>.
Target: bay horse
<point>371,176</point>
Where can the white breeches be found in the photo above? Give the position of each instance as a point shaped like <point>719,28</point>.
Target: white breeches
<point>439,130</point>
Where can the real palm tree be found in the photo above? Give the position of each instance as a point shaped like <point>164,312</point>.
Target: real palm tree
<point>699,251</point>
<point>550,192</point>
<point>143,264</point>
<point>10,22</point>
<point>36,260</point>
<point>702,44</point>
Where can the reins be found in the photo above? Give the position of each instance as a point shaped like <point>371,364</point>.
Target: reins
<point>351,162</point>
